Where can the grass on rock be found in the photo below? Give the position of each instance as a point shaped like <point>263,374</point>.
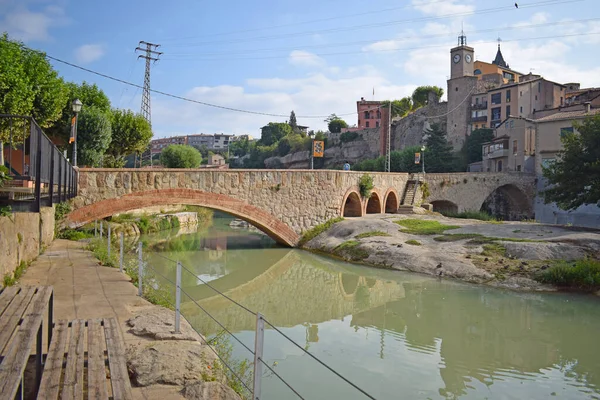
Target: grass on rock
<point>12,279</point>
<point>317,230</point>
<point>493,250</point>
<point>413,242</point>
<point>455,237</point>
<point>423,227</point>
<point>350,249</point>
<point>480,215</point>
<point>372,234</point>
<point>581,274</point>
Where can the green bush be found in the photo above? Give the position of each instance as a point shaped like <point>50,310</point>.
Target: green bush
<point>317,230</point>
<point>581,274</point>
<point>12,279</point>
<point>72,234</point>
<point>144,224</point>
<point>180,156</point>
<point>4,175</point>
<point>423,226</point>
<point>61,210</point>
<point>349,136</point>
<point>365,185</point>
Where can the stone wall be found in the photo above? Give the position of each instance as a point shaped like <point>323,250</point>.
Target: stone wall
<point>409,131</point>
<point>23,236</point>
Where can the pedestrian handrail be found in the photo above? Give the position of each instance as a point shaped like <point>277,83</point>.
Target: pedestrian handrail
<point>261,323</point>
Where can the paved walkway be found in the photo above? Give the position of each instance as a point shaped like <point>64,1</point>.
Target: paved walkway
<point>84,289</point>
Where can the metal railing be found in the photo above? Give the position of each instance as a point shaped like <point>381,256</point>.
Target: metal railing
<point>254,388</point>
<point>40,174</point>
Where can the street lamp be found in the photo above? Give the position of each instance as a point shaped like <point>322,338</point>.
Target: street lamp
<point>77,104</point>
<point>423,158</point>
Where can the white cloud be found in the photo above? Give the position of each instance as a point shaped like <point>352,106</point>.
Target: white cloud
<point>383,45</point>
<point>438,8</point>
<point>303,58</point>
<point>26,25</point>
<point>89,53</point>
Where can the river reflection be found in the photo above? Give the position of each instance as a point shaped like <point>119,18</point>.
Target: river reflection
<point>397,335</point>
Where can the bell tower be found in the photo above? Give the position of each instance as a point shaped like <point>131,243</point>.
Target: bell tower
<point>461,58</point>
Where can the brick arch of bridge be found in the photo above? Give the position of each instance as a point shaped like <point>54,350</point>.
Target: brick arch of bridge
<point>391,201</point>
<point>375,203</point>
<point>258,217</point>
<point>469,191</point>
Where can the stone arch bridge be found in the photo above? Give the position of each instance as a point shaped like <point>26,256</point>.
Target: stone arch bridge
<point>285,203</point>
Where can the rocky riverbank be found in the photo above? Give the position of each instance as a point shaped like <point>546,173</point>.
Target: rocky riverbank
<point>503,254</point>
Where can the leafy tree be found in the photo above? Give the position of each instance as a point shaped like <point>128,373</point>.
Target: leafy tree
<point>293,123</point>
<point>439,155</point>
<point>93,136</point>
<point>420,96</point>
<point>575,175</point>
<point>400,108</point>
<point>240,147</point>
<point>273,132</point>
<point>131,133</point>
<point>180,156</point>
<point>472,146</point>
<point>330,118</point>
<point>258,154</point>
<point>336,125</point>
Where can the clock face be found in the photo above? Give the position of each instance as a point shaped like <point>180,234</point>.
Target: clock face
<point>468,58</point>
<point>456,58</point>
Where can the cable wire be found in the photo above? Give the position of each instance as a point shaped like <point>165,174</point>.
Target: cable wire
<point>319,361</point>
<point>281,379</point>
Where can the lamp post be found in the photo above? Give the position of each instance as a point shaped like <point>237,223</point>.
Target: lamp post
<point>77,104</point>
<point>423,158</point>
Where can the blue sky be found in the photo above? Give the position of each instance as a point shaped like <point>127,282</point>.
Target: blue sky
<point>315,57</point>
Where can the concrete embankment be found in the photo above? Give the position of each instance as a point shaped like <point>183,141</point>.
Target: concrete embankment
<point>507,254</point>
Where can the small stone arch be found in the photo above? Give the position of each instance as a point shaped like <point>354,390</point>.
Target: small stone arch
<point>352,205</point>
<point>391,202</point>
<point>374,204</point>
<point>509,203</point>
<point>442,206</point>
<point>349,283</point>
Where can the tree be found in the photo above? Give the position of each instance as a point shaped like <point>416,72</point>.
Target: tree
<point>472,147</point>
<point>273,132</point>
<point>336,125</point>
<point>180,156</point>
<point>438,154</point>
<point>420,96</point>
<point>93,136</point>
<point>240,147</point>
<point>131,133</point>
<point>575,174</point>
<point>292,122</point>
<point>400,108</point>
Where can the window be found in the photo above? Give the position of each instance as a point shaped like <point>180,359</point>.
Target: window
<point>367,124</point>
<point>515,146</point>
<point>512,123</point>
<point>561,101</point>
<point>477,72</point>
<point>566,131</point>
<point>371,115</point>
<point>476,100</point>
<point>497,98</point>
<point>508,96</point>
<point>521,109</point>
<point>536,97</point>
<point>539,88</point>
<point>377,124</point>
<point>546,162</point>
<point>509,76</point>
<point>366,115</point>
<point>519,168</point>
<point>507,111</point>
<point>496,114</point>
<point>378,114</point>
<point>521,93</point>
<point>499,166</point>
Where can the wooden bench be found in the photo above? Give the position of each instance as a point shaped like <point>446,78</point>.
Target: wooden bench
<point>22,312</point>
<point>86,358</point>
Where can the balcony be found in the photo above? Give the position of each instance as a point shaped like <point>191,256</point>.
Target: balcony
<point>479,106</point>
<point>481,118</point>
<point>496,154</point>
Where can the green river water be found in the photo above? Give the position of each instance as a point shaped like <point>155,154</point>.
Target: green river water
<point>396,335</point>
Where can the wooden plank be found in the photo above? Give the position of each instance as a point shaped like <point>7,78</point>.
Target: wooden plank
<point>96,365</point>
<point>15,360</point>
<point>119,377</point>
<point>10,319</point>
<point>73,383</point>
<point>7,296</point>
<point>50,385</point>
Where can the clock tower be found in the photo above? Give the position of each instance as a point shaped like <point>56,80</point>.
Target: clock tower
<point>461,58</point>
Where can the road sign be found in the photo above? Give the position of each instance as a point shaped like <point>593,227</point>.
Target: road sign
<point>318,148</point>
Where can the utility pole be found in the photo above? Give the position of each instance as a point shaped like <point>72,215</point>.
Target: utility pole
<point>150,55</point>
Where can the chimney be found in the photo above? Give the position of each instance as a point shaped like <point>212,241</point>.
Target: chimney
<point>362,99</point>
<point>588,106</point>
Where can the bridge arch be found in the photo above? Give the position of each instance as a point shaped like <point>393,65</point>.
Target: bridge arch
<point>374,204</point>
<point>258,217</point>
<point>444,206</point>
<point>509,203</point>
<point>391,201</point>
<point>352,204</point>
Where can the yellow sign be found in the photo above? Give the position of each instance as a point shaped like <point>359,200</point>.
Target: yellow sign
<point>318,148</point>
<point>72,138</point>
<point>417,158</point>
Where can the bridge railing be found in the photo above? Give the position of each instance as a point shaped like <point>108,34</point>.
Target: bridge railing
<point>40,174</point>
<point>146,276</point>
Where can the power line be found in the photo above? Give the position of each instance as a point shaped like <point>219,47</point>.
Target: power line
<point>388,23</point>
<point>343,44</point>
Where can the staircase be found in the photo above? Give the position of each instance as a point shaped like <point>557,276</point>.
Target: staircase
<point>408,200</point>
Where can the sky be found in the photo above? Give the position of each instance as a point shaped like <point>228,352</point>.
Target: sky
<point>314,57</point>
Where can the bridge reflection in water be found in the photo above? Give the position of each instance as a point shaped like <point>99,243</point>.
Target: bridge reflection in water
<point>388,330</point>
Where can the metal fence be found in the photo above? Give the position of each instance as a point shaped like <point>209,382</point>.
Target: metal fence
<point>40,174</point>
<point>144,270</point>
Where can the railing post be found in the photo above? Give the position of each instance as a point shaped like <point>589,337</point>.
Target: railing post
<point>95,228</point>
<point>108,236</point>
<point>140,269</point>
<point>178,298</point>
<point>121,255</point>
<point>101,229</point>
<point>59,177</point>
<point>259,340</point>
<point>51,188</point>
<point>38,168</point>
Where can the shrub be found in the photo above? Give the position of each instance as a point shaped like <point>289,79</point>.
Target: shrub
<point>581,274</point>
<point>317,230</point>
<point>72,234</point>
<point>61,210</point>
<point>423,227</point>
<point>4,175</point>
<point>425,190</point>
<point>349,136</point>
<point>365,185</point>
<point>180,156</point>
